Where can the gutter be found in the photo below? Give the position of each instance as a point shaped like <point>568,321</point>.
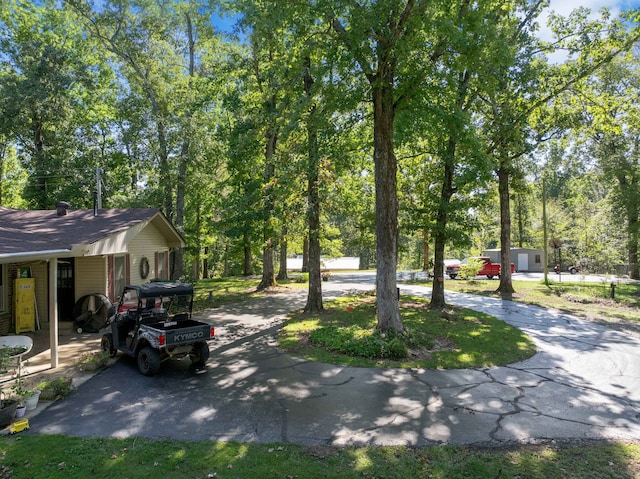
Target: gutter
<point>34,255</point>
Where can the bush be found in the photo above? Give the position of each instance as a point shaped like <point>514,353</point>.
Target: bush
<point>355,341</point>
<point>55,389</point>
<point>471,268</point>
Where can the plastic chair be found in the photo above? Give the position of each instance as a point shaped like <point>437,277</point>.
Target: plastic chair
<point>24,343</point>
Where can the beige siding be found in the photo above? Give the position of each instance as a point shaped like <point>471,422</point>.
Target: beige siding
<point>39,271</point>
<point>145,244</point>
<point>91,276</point>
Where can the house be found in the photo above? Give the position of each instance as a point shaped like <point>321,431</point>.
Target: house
<point>525,259</point>
<point>72,253</point>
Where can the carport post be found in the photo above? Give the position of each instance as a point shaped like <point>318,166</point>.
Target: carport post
<point>53,311</point>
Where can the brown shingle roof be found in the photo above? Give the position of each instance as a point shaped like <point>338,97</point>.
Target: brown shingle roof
<point>25,231</point>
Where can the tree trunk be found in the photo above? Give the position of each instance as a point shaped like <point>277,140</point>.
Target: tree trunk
<point>388,308</point>
<point>185,156</point>
<point>268,270</point>
<point>425,250</point>
<point>248,262</point>
<point>314,295</point>
<point>39,155</point>
<point>633,236</point>
<point>205,263</point>
<point>305,255</point>
<point>520,220</point>
<point>506,286</point>
<point>3,149</point>
<point>442,217</point>
<point>282,270</point>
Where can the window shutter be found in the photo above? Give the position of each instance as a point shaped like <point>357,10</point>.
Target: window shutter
<point>110,278</point>
<point>127,269</point>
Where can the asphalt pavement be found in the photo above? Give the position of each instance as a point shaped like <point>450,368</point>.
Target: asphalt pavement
<point>584,383</point>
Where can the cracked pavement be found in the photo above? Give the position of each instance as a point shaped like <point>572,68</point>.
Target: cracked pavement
<point>583,384</point>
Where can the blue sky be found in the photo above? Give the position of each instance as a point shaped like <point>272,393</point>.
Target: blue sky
<point>563,7</point>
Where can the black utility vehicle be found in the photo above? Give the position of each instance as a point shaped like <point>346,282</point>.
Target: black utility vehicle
<point>153,323</point>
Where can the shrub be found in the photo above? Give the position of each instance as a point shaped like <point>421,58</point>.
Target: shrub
<point>55,388</point>
<point>358,342</point>
<point>471,268</point>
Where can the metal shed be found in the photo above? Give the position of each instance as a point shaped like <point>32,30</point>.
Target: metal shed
<point>525,259</point>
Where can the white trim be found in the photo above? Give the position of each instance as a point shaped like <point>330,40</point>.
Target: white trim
<point>35,255</point>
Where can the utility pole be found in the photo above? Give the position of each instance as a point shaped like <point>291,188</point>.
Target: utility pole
<point>99,186</point>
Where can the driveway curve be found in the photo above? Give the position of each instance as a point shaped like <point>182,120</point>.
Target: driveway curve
<point>584,383</point>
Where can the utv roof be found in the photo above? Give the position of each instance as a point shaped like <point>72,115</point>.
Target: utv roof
<point>155,289</point>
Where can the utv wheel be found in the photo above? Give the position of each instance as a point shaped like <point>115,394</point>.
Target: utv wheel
<point>148,361</point>
<point>106,343</point>
<point>453,276</point>
<point>199,354</point>
<point>490,276</point>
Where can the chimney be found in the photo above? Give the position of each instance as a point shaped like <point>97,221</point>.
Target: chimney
<point>95,203</point>
<point>61,208</point>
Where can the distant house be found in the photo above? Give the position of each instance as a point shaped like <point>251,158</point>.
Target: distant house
<point>525,259</point>
<point>71,253</point>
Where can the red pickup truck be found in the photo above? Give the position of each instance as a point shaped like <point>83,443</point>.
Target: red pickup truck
<point>489,268</point>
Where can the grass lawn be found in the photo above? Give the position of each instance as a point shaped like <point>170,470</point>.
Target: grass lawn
<point>52,457</point>
<point>458,338</point>
<point>588,300</point>
<point>231,290</point>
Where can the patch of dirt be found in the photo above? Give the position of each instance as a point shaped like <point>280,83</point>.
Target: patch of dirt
<point>440,344</point>
<point>276,290</point>
<point>322,452</point>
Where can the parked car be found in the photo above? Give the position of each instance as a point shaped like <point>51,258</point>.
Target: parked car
<point>153,323</point>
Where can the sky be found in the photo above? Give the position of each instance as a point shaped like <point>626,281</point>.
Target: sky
<point>564,8</point>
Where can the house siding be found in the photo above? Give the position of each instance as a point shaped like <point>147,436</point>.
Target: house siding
<point>145,245</point>
<point>40,271</point>
<point>90,276</point>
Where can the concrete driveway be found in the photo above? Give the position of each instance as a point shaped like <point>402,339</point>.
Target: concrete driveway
<point>583,384</point>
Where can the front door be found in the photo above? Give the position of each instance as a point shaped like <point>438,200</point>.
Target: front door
<point>66,291</point>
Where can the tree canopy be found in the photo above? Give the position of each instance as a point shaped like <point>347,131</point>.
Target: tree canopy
<point>404,132</point>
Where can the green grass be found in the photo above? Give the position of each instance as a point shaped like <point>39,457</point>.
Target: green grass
<point>345,334</point>
<point>52,457</point>
<point>583,299</point>
<point>231,290</point>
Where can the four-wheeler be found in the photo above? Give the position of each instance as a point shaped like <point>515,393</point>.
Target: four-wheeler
<point>153,323</point>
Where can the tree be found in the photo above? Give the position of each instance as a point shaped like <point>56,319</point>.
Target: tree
<point>378,37</point>
<point>614,131</point>
<point>591,44</point>
<point>49,74</point>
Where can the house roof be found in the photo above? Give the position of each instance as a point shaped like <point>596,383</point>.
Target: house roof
<point>31,234</point>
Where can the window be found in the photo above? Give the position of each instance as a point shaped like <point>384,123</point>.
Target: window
<point>537,259</point>
<point>162,268</point>
<point>119,274</point>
